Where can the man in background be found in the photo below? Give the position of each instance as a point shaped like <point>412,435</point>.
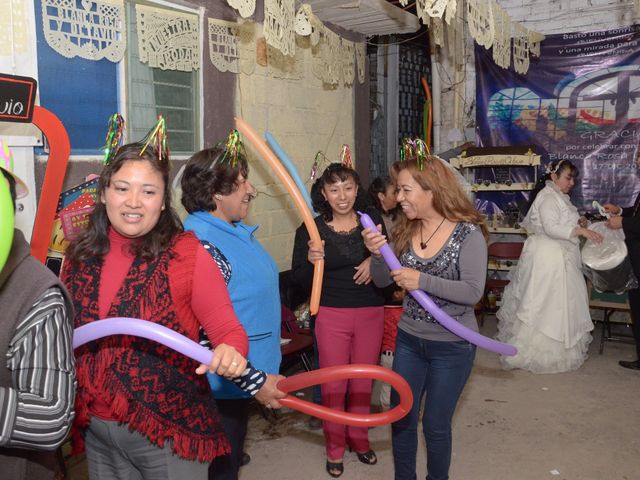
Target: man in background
<point>628,219</point>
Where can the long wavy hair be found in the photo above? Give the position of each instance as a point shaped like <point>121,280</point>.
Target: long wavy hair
<point>334,173</point>
<point>94,241</point>
<point>449,199</point>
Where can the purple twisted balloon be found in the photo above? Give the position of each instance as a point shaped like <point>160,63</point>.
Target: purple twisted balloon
<point>142,328</point>
<point>429,305</point>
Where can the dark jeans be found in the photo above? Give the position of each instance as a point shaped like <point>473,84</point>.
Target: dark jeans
<point>439,370</point>
<point>235,418</point>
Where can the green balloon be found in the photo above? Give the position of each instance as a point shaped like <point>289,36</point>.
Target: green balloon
<point>6,221</point>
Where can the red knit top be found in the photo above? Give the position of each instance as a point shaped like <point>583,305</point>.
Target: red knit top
<point>141,383</point>
<point>210,301</point>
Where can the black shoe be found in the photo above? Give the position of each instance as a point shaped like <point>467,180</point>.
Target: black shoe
<point>368,457</point>
<point>246,458</point>
<point>630,365</point>
<point>335,469</point>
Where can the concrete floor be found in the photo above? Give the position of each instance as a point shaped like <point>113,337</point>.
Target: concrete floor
<point>583,425</point>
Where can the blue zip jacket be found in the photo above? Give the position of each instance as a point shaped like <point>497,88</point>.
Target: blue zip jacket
<point>253,288</point>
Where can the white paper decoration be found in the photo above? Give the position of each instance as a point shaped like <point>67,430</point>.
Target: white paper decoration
<point>317,27</point>
<point>279,25</point>
<point>303,20</point>
<point>327,58</point>
<point>450,12</point>
<point>434,8</point>
<point>501,36</point>
<point>333,58</point>
<point>520,48</point>
<point>231,46</point>
<point>480,19</point>
<point>168,39</point>
<point>421,11</point>
<point>348,61</point>
<point>245,8</point>
<point>534,42</point>
<point>90,29</point>
<point>361,58</point>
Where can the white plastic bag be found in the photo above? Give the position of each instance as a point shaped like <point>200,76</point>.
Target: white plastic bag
<point>607,264</point>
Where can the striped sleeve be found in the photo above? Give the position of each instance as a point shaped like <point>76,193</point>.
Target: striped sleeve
<point>37,411</point>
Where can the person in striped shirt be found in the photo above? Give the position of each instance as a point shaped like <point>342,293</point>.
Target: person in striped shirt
<point>37,379</point>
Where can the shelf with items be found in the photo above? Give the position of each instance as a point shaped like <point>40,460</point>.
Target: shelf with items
<point>507,230</point>
<point>501,265</point>
<point>507,222</point>
<point>497,187</point>
<point>473,162</point>
<point>499,178</point>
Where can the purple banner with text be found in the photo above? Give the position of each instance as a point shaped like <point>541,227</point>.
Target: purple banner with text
<point>579,101</point>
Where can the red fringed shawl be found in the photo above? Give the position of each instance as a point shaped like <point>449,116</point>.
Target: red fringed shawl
<point>151,388</point>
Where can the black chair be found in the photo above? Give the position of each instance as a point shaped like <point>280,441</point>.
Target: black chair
<point>502,256</point>
<point>300,347</point>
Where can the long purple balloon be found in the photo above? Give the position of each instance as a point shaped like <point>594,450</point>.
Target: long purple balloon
<point>142,328</point>
<point>443,319</point>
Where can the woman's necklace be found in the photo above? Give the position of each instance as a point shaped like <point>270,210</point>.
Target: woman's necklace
<point>423,245</point>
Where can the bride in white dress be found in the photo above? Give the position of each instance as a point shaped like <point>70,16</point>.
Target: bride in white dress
<point>545,307</point>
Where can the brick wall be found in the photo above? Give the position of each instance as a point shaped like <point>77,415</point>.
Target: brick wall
<point>304,116</point>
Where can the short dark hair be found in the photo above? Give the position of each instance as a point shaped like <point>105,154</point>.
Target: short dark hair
<point>12,186</point>
<point>380,185</point>
<point>334,173</point>
<point>206,174</point>
<point>94,241</point>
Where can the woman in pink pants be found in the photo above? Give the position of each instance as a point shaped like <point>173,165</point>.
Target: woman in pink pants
<point>350,320</point>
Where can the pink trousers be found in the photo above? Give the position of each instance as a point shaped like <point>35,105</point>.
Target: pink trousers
<point>348,335</point>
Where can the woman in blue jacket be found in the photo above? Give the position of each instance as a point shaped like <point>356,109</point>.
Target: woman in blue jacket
<point>217,194</point>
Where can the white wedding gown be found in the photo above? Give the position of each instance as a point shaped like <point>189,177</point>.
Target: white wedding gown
<point>545,307</point>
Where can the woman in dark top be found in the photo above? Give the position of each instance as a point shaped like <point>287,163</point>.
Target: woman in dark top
<point>382,192</point>
<point>350,319</point>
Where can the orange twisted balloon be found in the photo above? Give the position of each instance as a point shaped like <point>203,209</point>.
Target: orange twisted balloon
<point>274,163</point>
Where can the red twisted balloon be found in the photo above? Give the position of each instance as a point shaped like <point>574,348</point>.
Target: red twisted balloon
<point>180,343</point>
